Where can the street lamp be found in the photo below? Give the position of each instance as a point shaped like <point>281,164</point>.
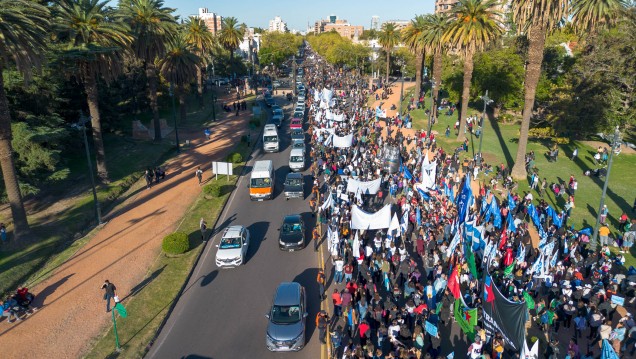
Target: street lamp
<point>81,125</point>
<point>174,119</point>
<point>487,101</point>
<point>214,105</point>
<point>402,65</point>
<point>616,144</point>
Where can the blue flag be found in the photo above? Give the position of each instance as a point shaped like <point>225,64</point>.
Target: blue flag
<point>608,352</point>
<point>465,200</point>
<point>494,209</point>
<point>406,172</point>
<point>511,222</point>
<point>511,202</point>
<point>418,216</point>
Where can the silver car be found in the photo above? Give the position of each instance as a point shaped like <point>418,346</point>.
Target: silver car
<point>233,248</point>
<point>286,327</point>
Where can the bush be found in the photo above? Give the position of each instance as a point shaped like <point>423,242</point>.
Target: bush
<point>541,132</point>
<point>255,123</point>
<point>561,140</point>
<point>235,157</point>
<point>212,190</point>
<point>176,243</point>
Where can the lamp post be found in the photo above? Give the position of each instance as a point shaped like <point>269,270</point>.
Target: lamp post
<point>214,105</point>
<point>487,101</point>
<point>402,65</point>
<point>81,125</point>
<point>174,118</point>
<point>616,143</point>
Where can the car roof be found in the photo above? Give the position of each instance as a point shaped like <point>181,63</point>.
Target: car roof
<point>292,175</point>
<point>287,293</point>
<point>296,152</point>
<point>233,231</point>
<point>296,120</point>
<point>292,218</point>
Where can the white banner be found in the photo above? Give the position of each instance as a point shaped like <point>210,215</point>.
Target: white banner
<point>339,117</point>
<point>370,187</point>
<point>394,226</point>
<point>378,220</point>
<point>329,115</point>
<point>428,174</point>
<point>316,96</point>
<point>328,202</point>
<point>327,94</point>
<point>343,142</point>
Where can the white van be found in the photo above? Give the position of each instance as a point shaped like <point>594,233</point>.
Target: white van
<point>270,138</point>
<point>297,159</point>
<point>262,180</point>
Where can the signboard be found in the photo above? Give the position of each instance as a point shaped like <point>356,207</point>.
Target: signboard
<point>222,168</point>
<point>618,300</point>
<point>431,329</point>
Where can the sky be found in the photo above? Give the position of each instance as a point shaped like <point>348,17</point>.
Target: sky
<point>297,13</point>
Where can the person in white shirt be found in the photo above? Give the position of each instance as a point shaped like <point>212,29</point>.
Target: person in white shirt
<point>474,350</point>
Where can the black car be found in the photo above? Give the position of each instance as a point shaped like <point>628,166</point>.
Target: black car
<point>293,187</point>
<point>292,233</point>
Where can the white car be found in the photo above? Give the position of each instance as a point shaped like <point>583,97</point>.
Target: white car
<point>232,250</point>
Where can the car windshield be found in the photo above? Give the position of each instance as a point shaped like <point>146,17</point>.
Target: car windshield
<point>270,138</point>
<point>229,243</point>
<point>278,111</point>
<point>296,158</point>
<point>289,228</point>
<point>283,314</point>
<point>260,182</point>
<point>294,182</point>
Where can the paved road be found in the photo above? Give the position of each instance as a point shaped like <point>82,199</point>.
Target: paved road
<point>222,312</point>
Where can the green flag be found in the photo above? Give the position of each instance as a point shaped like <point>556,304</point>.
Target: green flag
<point>121,310</point>
<point>509,268</point>
<point>470,258</point>
<point>466,318</point>
<point>439,308</point>
<point>529,300</point>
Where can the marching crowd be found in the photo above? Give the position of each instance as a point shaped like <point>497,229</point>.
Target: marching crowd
<point>396,290</point>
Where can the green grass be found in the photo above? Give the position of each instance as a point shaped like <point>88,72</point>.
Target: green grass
<point>56,237</point>
<point>500,144</point>
<point>152,298</point>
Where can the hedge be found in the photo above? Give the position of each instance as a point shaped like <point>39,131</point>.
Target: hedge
<point>176,243</point>
<point>235,157</point>
<point>212,190</point>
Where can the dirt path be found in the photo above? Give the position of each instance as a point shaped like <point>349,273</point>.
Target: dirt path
<point>73,311</point>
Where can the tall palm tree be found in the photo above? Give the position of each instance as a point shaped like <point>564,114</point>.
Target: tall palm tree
<point>152,26</point>
<point>201,39</point>
<point>95,44</point>
<point>590,15</point>
<point>476,24</point>
<point>24,28</point>
<point>231,34</point>
<point>435,27</point>
<point>388,39</point>
<point>179,67</point>
<point>413,37</point>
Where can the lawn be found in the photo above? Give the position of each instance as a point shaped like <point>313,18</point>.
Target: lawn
<point>500,144</point>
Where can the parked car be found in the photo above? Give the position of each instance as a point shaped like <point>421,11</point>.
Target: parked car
<point>292,233</point>
<point>296,124</point>
<point>233,247</point>
<point>286,318</point>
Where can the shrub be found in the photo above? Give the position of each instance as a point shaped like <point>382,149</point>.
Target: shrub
<point>235,157</point>
<point>212,190</point>
<point>255,123</point>
<point>561,140</point>
<point>176,243</point>
<point>541,132</point>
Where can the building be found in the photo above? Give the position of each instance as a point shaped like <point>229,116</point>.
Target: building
<point>375,23</point>
<point>277,25</point>
<point>251,42</point>
<point>212,20</point>
<point>442,6</point>
<point>342,27</point>
<point>399,24</point>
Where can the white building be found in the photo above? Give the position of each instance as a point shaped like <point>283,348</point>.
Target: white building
<point>251,41</point>
<point>277,25</point>
<point>212,20</point>
<point>375,22</point>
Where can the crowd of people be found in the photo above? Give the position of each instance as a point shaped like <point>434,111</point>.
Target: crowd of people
<point>390,285</point>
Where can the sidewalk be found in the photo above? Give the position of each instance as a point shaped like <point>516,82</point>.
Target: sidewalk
<point>72,310</point>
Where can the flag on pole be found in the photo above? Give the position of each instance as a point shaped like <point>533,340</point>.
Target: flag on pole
<point>607,352</point>
<point>470,258</point>
<point>466,318</point>
<point>418,216</point>
<point>529,300</point>
<point>521,256</point>
<point>510,221</point>
<point>494,208</point>
<point>453,283</point>
<point>511,202</point>
<point>510,268</point>
<point>465,200</point>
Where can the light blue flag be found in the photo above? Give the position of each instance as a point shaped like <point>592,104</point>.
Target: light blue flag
<point>511,222</point>
<point>404,223</point>
<point>608,352</point>
<point>494,209</point>
<point>554,259</point>
<point>511,202</point>
<point>521,255</point>
<point>418,216</point>
<point>465,200</point>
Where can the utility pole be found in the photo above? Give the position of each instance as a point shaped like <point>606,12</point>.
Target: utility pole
<point>616,143</point>
<point>174,118</point>
<point>487,101</point>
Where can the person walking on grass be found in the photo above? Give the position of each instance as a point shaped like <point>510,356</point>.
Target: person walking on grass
<point>109,293</point>
<point>204,228</point>
<point>199,174</point>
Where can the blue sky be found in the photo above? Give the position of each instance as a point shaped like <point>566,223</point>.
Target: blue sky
<point>296,13</point>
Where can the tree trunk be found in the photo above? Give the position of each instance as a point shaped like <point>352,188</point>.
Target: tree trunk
<point>463,111</point>
<point>419,63</point>
<point>388,61</point>
<point>182,105</point>
<point>151,75</point>
<point>536,38</point>
<point>437,77</point>
<point>20,223</point>
<point>200,86</point>
<point>231,54</point>
<point>92,99</point>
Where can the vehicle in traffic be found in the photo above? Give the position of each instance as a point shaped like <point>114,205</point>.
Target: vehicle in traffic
<point>269,100</point>
<point>296,124</point>
<point>278,117</point>
<point>299,114</point>
<point>270,138</point>
<point>233,247</point>
<point>298,136</point>
<point>275,107</point>
<point>294,186</point>
<point>262,180</point>
<point>286,318</point>
<point>290,96</point>
<point>297,159</point>
<point>292,233</point>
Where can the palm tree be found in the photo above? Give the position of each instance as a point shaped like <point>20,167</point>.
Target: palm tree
<point>95,44</point>
<point>24,28</point>
<point>388,39</point>
<point>435,27</point>
<point>413,37</point>
<point>201,39</point>
<point>152,26</point>
<point>476,24</point>
<point>231,34</point>
<point>589,15</point>
<point>179,67</point>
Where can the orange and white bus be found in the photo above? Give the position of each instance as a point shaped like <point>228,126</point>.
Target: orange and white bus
<point>262,180</point>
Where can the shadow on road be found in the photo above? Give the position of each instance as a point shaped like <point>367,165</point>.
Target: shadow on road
<point>258,232</point>
<point>308,280</point>
<point>208,278</point>
<point>50,289</point>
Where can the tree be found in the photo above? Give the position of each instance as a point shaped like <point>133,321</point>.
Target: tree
<point>94,43</point>
<point>201,39</point>
<point>231,34</point>
<point>388,39</point>
<point>152,26</point>
<point>476,24</point>
<point>435,28</point>
<point>24,28</point>
<point>179,67</point>
<point>276,47</point>
<point>413,37</point>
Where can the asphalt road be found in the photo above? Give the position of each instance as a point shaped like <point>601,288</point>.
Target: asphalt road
<point>222,312</point>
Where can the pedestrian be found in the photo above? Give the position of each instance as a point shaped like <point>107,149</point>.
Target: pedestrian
<point>148,177</point>
<point>3,233</point>
<point>338,266</point>
<point>207,133</point>
<point>316,236</point>
<point>575,153</point>
<point>199,174</point>
<point>320,279</point>
<point>109,293</point>
<point>321,322</point>
<point>603,234</point>
<point>604,213</point>
<point>204,228</point>
<point>337,303</point>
